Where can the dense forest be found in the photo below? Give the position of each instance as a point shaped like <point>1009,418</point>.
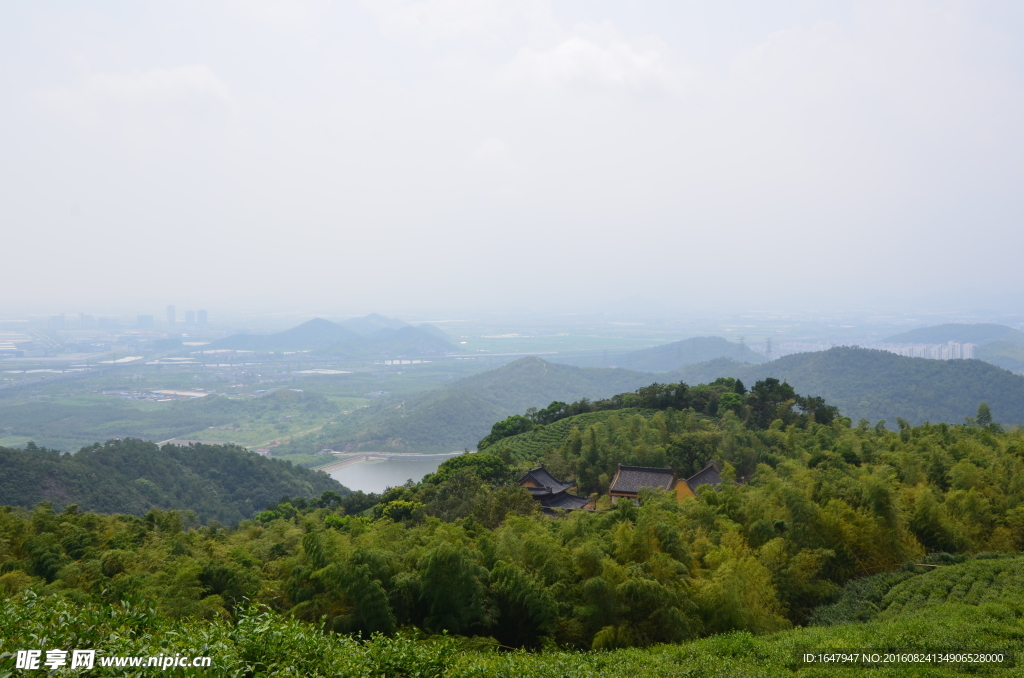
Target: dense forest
<point>819,522</point>
<point>871,384</point>
<point>213,482</point>
<point>973,604</point>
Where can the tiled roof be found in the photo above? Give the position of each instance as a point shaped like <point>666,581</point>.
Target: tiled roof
<point>709,475</point>
<point>548,484</point>
<point>565,501</point>
<point>629,479</point>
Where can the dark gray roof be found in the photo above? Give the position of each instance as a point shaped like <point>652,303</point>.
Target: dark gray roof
<point>547,482</point>
<point>630,479</point>
<point>709,475</point>
<point>567,502</point>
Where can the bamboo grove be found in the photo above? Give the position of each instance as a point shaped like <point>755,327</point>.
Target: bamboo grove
<point>810,502</point>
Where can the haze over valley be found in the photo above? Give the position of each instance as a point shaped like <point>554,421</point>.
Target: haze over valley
<point>512,338</point>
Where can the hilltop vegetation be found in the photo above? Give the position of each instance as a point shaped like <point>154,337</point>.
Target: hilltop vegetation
<point>457,416</point>
<point>980,334</point>
<point>655,426</point>
<point>878,385</point>
<point>215,482</point>
<point>466,550</point>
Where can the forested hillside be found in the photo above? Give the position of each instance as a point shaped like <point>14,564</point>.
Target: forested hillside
<point>216,482</point>
<point>821,506</point>
<point>863,536</point>
<point>457,416</point>
<point>284,647</point>
<point>880,385</point>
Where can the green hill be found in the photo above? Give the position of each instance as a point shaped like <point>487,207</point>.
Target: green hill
<point>217,482</point>
<point>832,538</point>
<point>459,415</point>
<point>980,334</point>
<point>880,385</point>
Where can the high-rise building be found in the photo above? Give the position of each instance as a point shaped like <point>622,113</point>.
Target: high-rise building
<point>190,318</point>
<point>201,317</point>
<point>170,315</point>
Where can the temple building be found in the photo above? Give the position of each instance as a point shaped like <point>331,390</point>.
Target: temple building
<point>551,492</point>
<point>629,480</point>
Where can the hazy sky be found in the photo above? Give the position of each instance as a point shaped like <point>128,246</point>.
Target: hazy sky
<point>441,153</point>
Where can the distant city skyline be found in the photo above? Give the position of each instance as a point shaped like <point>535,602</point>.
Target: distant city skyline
<point>949,351</point>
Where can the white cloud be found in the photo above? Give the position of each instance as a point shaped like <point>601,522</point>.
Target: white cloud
<point>493,150</point>
<point>794,133</point>
<point>157,87</point>
<point>598,55</point>
<point>142,106</point>
<point>428,22</point>
<point>288,14</point>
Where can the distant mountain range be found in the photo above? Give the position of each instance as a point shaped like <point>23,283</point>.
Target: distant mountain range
<point>687,352</point>
<point>668,357</point>
<point>459,415</point>
<point>1005,354</point>
<point>997,344</point>
<point>372,336</point>
<point>864,383</point>
<point>980,334</point>
<point>881,385</point>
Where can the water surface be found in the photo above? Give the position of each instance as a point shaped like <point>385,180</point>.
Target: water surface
<point>377,475</point>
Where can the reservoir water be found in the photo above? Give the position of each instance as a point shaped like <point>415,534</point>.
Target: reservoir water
<point>376,475</point>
